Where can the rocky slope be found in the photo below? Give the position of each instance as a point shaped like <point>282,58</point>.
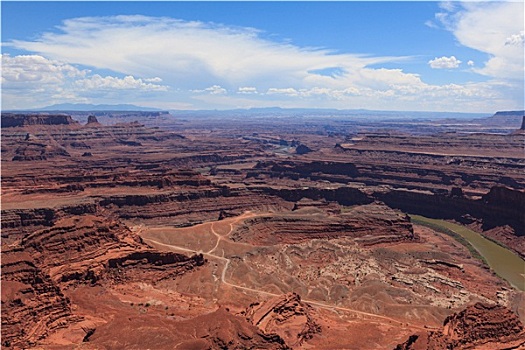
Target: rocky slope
<point>369,224</point>
<point>499,213</point>
<point>479,326</point>
<point>286,316</point>
<point>215,330</point>
<point>80,250</point>
<point>33,306</point>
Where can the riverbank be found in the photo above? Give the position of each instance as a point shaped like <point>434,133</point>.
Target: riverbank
<point>504,262</point>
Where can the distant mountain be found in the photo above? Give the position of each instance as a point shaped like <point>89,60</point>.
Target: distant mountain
<point>266,112</point>
<point>92,107</point>
<point>509,119</point>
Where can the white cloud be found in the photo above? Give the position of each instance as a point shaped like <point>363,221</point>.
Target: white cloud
<point>216,90</point>
<point>444,62</point>
<point>153,80</point>
<point>36,69</point>
<point>431,24</point>
<point>470,63</point>
<point>495,28</point>
<point>247,90</point>
<point>213,90</point>
<point>516,39</point>
<point>447,5</point>
<point>97,82</point>
<point>32,80</point>
<point>316,93</point>
<point>282,91</point>
<point>187,54</point>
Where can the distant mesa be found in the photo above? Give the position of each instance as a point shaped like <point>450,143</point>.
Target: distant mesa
<point>10,120</point>
<point>511,119</point>
<point>93,121</point>
<point>503,114</point>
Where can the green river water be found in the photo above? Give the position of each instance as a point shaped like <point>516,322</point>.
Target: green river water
<point>502,261</point>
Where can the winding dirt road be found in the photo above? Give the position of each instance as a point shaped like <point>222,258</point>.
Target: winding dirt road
<point>210,254</point>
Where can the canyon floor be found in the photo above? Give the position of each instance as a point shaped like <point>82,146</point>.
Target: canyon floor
<point>150,231</point>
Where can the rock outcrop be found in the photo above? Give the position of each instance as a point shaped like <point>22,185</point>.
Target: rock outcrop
<point>340,194</point>
<point>85,249</point>
<point>10,120</point>
<point>18,223</point>
<point>287,316</point>
<point>501,209</point>
<point>31,151</point>
<point>307,169</point>
<point>150,266</point>
<point>76,200</point>
<point>479,326</point>
<point>507,206</point>
<point>92,121</point>
<point>222,330</point>
<point>367,224</point>
<point>216,330</point>
<point>33,305</point>
<point>74,251</point>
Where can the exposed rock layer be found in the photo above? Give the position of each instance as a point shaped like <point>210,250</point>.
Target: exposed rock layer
<point>286,316</point>
<point>82,250</point>
<point>479,326</point>
<point>13,120</point>
<point>370,224</point>
<point>33,306</point>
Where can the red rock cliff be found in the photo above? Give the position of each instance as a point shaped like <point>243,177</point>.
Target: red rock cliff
<point>13,120</point>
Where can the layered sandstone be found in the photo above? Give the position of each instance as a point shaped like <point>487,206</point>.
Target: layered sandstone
<point>498,213</point>
<point>33,306</point>
<point>74,251</point>
<point>214,330</point>
<point>10,120</point>
<point>368,224</point>
<point>479,326</point>
<point>287,316</point>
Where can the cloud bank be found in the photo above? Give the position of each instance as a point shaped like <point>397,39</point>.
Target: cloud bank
<point>44,81</point>
<point>170,62</point>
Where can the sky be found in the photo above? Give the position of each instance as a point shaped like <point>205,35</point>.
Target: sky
<point>412,56</point>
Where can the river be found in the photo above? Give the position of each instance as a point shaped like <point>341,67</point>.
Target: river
<point>502,261</point>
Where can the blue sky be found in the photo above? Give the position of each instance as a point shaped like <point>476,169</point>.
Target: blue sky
<point>438,56</point>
